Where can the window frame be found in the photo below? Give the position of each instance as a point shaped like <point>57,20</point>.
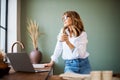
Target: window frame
<point>5,26</point>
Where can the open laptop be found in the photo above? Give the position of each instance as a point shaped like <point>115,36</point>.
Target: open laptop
<point>21,62</point>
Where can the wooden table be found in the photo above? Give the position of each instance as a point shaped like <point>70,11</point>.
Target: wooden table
<point>28,76</point>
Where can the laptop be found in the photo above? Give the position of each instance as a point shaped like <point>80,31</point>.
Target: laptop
<point>21,62</point>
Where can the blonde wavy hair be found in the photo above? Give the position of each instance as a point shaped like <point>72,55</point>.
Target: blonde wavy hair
<point>77,24</point>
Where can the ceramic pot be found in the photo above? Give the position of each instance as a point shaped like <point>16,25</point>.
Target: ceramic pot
<point>36,56</point>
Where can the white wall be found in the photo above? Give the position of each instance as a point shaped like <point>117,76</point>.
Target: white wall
<point>13,23</point>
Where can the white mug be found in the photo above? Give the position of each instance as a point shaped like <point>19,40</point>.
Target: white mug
<point>107,75</point>
<point>96,75</point>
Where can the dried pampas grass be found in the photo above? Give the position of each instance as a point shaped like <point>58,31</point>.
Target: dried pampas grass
<point>33,31</point>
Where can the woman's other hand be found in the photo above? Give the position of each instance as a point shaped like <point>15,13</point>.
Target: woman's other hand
<point>49,64</point>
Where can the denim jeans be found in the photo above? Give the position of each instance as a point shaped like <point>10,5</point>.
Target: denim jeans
<point>81,66</point>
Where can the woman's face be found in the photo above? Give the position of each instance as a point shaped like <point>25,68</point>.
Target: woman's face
<point>67,21</point>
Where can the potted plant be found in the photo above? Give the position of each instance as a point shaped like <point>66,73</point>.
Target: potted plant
<point>4,69</point>
<point>33,30</point>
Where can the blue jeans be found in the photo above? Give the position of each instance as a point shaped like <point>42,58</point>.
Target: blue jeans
<point>81,66</point>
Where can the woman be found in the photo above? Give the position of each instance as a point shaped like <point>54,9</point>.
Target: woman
<point>72,42</point>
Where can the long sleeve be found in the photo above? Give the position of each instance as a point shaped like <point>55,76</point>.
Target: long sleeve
<point>58,49</point>
<point>79,51</point>
<point>80,45</point>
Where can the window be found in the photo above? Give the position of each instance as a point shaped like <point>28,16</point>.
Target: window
<point>3,24</point>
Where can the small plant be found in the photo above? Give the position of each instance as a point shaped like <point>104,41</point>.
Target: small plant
<point>33,31</point>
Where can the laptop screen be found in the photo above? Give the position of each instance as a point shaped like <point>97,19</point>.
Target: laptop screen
<point>20,62</point>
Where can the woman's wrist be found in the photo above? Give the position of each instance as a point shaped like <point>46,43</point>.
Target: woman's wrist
<point>70,45</point>
<point>50,64</point>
